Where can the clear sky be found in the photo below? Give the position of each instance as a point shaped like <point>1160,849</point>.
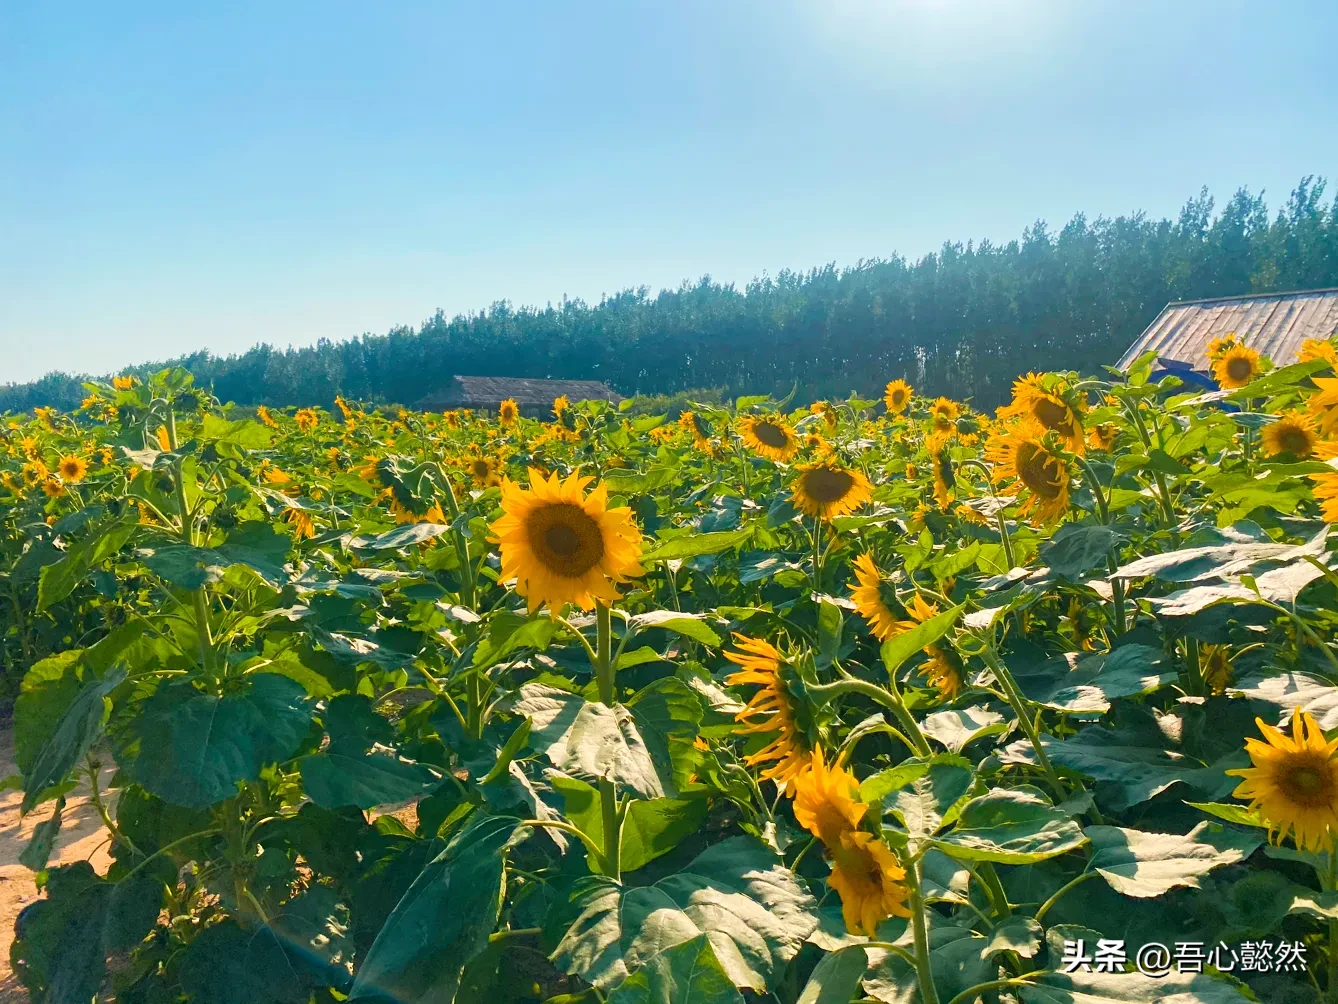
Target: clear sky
<point>176,176</point>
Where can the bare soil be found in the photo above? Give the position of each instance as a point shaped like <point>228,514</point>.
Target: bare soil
<point>82,838</point>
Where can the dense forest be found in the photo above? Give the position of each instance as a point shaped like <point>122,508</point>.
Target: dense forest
<point>964,320</point>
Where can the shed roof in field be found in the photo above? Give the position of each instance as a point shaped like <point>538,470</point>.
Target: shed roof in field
<point>1273,324</point>
<point>528,393</point>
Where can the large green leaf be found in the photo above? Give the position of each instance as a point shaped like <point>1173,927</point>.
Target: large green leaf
<point>755,912</point>
<point>592,740</point>
<point>1143,865</point>
<point>443,920</point>
<point>958,729</point>
<point>1288,691</point>
<point>1130,772</point>
<point>333,780</point>
<point>57,580</point>
<point>901,647</point>
<point>1012,826</point>
<point>1077,548</point>
<point>667,713</point>
<point>688,973</point>
<point>192,748</point>
<point>48,689</point>
<point>693,544</point>
<point>922,800</point>
<point>652,827</point>
<point>692,626</point>
<point>1088,682</point>
<point>835,979</point>
<point>956,960</point>
<point>1131,988</point>
<point>77,730</point>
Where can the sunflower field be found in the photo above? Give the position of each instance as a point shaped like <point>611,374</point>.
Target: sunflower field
<point>856,701</point>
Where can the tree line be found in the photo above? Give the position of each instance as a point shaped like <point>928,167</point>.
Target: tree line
<point>963,321</point>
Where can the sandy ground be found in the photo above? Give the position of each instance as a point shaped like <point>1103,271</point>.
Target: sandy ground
<point>82,837</point>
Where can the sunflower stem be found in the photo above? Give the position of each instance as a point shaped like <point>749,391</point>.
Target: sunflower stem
<point>1193,667</point>
<point>928,993</point>
<point>1330,885</point>
<point>1019,703</point>
<point>822,693</point>
<point>608,791</point>
<point>817,554</point>
<point>461,545</point>
<point>1112,562</point>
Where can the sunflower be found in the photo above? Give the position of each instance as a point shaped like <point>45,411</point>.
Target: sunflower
<point>306,419</point>
<point>769,437</point>
<point>370,471</point>
<point>865,872</point>
<point>827,412</point>
<point>1293,782</point>
<point>911,472</point>
<point>1325,489</point>
<point>163,438</point>
<point>760,663</point>
<point>1022,454</point>
<point>1222,344</point>
<point>1048,409</point>
<point>1215,665</point>
<point>72,469</point>
<point>826,489</point>
<point>896,396</point>
<point>106,457</point>
<point>696,428</point>
<point>301,521</point>
<point>944,412</point>
<point>53,488</point>
<point>483,471</point>
<point>814,443</point>
<point>451,418</point>
<point>941,464</point>
<point>124,382</point>
<point>29,445</point>
<point>403,514</point>
<point>266,418</point>
<point>1323,406</point>
<point>1292,433</point>
<point>563,546</point>
<point>34,472</point>
<point>1314,348</point>
<point>944,671</point>
<point>275,476</point>
<point>507,412</point>
<point>560,404</point>
<point>868,592</point>
<point>47,416</point>
<point>1103,436</point>
<point>1236,367</point>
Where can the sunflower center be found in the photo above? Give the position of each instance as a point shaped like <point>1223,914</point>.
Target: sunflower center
<point>480,468</point>
<point>770,434</point>
<point>826,485</point>
<point>1295,441</point>
<point>1239,368</point>
<point>1308,781</point>
<point>1052,414</point>
<point>1039,471</point>
<point>898,397</point>
<point>566,539</point>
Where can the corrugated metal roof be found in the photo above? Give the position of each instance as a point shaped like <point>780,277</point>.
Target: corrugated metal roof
<point>1273,324</point>
<point>489,392</point>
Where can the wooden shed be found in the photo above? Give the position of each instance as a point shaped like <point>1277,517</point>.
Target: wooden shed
<point>534,397</point>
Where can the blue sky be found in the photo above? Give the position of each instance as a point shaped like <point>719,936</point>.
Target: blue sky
<point>211,175</point>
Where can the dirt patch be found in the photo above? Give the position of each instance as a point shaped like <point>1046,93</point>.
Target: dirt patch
<point>82,838</point>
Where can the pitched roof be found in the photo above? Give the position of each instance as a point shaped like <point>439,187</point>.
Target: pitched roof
<point>475,392</point>
<point>1273,324</point>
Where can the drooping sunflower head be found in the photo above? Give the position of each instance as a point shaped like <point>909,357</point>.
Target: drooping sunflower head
<point>1022,454</point>
<point>1323,405</point>
<point>944,480</point>
<point>1049,403</point>
<point>826,489</point>
<point>1293,782</point>
<point>72,469</point>
<point>875,599</point>
<point>769,436</point>
<point>124,382</point>
<point>1236,367</point>
<point>164,438</point>
<point>1221,345</point>
<point>1314,348</point>
<point>697,428</point>
<point>301,522</point>
<point>1215,665</point>
<point>306,419</point>
<point>777,707</point>
<point>944,412</point>
<point>1103,436</point>
<point>944,671</point>
<point>507,412</point>
<point>53,488</point>
<point>1292,433</point>
<point>1325,489</point>
<point>564,546</point>
<point>560,405</point>
<point>266,417</point>
<point>897,396</point>
<point>826,799</point>
<point>343,407</point>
